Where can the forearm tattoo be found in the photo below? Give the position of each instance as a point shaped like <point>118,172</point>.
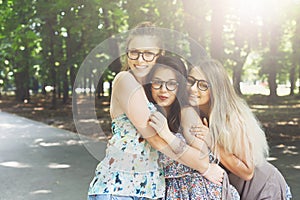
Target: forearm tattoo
<point>178,146</point>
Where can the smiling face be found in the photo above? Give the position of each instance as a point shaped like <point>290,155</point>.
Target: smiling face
<point>162,96</point>
<point>142,44</point>
<point>198,97</point>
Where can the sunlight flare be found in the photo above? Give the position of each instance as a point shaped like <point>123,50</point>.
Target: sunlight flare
<point>15,164</point>
<point>58,166</point>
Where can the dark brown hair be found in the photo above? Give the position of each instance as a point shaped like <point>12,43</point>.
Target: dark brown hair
<point>178,66</point>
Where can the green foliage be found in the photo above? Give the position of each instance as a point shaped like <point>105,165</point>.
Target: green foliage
<point>48,40</point>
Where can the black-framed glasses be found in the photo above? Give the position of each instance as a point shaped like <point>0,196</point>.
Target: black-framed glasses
<point>171,85</point>
<point>203,85</point>
<point>147,56</point>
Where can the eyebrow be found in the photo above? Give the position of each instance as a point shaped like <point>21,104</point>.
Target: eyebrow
<point>156,78</point>
<point>143,50</point>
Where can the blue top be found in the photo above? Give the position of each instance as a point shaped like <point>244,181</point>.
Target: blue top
<point>130,167</point>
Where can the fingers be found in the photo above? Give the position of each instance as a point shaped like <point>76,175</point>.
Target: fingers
<point>199,128</point>
<point>218,180</point>
<point>157,121</point>
<point>205,121</point>
<point>199,131</point>
<point>217,175</point>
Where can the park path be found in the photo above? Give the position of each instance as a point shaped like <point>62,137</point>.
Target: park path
<point>38,161</point>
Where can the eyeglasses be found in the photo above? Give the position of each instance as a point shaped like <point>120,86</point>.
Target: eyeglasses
<point>146,55</point>
<point>201,84</point>
<point>170,85</point>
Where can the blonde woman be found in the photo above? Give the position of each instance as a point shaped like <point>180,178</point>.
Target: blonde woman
<point>241,142</point>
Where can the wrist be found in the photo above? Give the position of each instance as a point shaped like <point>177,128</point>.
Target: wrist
<point>177,145</point>
<point>207,170</point>
<point>168,136</point>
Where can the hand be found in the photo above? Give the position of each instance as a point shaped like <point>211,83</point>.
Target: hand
<point>215,174</point>
<point>159,122</point>
<point>201,131</point>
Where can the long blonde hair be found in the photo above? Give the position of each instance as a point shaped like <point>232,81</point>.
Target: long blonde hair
<point>231,121</point>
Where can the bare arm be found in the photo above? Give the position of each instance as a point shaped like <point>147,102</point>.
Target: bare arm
<point>213,172</point>
<point>190,117</point>
<point>235,165</point>
<point>133,101</point>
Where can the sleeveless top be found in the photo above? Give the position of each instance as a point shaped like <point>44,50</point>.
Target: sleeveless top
<point>130,167</point>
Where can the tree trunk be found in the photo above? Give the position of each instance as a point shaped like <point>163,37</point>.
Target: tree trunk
<point>22,79</point>
<point>217,23</point>
<point>273,63</point>
<point>272,83</point>
<point>52,64</point>
<point>22,91</point>
<point>237,74</point>
<point>194,21</point>
<point>296,51</point>
<point>292,80</point>
<point>65,85</point>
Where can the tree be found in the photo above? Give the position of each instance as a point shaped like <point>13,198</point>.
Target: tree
<point>20,43</point>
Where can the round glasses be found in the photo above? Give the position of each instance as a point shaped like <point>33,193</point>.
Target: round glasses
<point>201,84</point>
<point>170,85</point>
<point>146,55</point>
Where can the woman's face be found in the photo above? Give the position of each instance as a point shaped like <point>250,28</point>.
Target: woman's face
<point>164,87</point>
<point>198,97</point>
<point>141,47</point>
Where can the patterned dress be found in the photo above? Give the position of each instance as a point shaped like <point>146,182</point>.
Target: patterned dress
<point>184,183</point>
<point>130,167</point>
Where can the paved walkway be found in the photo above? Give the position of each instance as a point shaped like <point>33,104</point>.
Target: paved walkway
<point>41,162</point>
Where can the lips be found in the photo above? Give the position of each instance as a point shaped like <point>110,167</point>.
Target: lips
<point>141,66</point>
<point>163,98</point>
<point>194,96</point>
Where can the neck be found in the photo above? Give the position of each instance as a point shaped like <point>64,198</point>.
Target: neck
<point>165,110</point>
<point>205,109</point>
<point>141,80</point>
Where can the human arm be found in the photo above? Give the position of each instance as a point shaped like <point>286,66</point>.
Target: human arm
<point>235,164</point>
<point>130,97</point>
<point>213,171</point>
<point>190,117</point>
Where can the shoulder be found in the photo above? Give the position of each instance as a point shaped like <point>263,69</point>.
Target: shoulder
<point>187,111</point>
<point>125,81</point>
<point>126,86</point>
<point>189,116</point>
<point>123,77</point>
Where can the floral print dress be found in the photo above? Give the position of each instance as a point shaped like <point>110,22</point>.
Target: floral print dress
<point>184,183</point>
<point>130,167</point>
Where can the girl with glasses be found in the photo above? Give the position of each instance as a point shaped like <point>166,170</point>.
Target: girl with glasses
<point>241,143</point>
<point>130,167</point>
<point>166,88</point>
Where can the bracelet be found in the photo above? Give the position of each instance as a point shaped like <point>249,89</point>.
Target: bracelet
<point>206,171</point>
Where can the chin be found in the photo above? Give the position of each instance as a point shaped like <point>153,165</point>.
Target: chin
<point>140,74</point>
<point>193,103</point>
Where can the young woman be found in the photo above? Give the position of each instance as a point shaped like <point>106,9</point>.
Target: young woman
<point>130,169</point>
<point>241,143</point>
<point>167,90</point>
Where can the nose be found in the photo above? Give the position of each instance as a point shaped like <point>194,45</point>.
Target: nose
<point>194,87</point>
<point>140,59</point>
<point>164,87</point>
